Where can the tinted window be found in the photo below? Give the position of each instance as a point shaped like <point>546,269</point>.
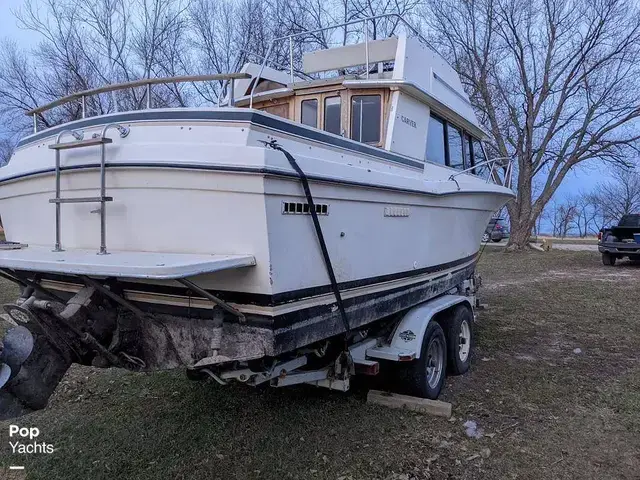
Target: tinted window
<point>265,85</point>
<point>455,147</point>
<point>478,156</point>
<point>435,141</point>
<point>630,221</point>
<point>310,112</point>
<point>365,118</point>
<point>332,115</point>
<point>467,150</point>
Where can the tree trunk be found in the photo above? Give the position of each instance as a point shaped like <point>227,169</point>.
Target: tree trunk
<point>520,212</point>
<point>520,235</point>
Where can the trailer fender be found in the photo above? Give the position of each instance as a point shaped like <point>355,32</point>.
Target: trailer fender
<point>409,333</point>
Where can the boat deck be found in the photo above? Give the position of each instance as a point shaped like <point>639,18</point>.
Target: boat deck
<point>119,264</point>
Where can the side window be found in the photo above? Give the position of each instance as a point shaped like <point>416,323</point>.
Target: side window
<point>310,112</point>
<point>468,161</point>
<point>435,141</point>
<point>332,115</point>
<point>455,147</point>
<point>478,156</point>
<point>365,118</point>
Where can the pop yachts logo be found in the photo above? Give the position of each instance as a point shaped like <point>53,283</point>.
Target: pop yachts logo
<point>24,440</point>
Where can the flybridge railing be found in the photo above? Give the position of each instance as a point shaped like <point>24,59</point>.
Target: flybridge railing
<point>145,82</point>
<point>360,21</point>
<point>228,77</point>
<point>495,165</point>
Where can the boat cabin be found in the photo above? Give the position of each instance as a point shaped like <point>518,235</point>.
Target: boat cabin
<point>408,101</point>
<point>395,94</point>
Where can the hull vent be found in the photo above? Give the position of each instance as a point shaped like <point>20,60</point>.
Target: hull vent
<point>299,208</point>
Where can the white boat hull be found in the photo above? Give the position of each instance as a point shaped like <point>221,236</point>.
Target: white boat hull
<point>208,187</point>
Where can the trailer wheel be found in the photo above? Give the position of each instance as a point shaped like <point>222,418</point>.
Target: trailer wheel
<point>608,259</point>
<point>459,340</point>
<point>426,375</point>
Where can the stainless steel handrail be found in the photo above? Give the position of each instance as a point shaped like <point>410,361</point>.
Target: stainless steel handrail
<point>123,131</point>
<point>78,136</point>
<point>144,82</point>
<point>508,172</point>
<point>363,21</point>
<point>229,77</point>
<point>97,139</point>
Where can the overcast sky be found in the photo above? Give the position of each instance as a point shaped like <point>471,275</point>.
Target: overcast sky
<point>583,179</point>
<point>8,27</point>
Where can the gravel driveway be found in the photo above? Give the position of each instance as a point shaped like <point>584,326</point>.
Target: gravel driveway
<point>576,247</point>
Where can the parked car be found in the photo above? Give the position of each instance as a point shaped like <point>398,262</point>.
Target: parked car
<point>620,241</point>
<point>496,230</point>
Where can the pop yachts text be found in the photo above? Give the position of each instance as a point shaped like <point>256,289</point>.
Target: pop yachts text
<point>23,440</point>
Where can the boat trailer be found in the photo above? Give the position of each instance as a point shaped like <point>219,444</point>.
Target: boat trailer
<point>98,327</point>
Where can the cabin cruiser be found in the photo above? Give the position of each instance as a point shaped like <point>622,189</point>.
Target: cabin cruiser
<point>312,203</point>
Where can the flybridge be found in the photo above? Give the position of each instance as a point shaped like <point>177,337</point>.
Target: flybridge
<point>417,69</point>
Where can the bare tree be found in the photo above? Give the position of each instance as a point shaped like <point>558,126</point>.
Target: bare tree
<point>585,220</point>
<point>618,196</point>
<point>384,27</point>
<point>6,150</point>
<point>562,215</point>
<point>89,43</point>
<point>555,81</point>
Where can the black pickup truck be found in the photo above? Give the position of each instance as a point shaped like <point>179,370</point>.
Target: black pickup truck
<point>620,241</point>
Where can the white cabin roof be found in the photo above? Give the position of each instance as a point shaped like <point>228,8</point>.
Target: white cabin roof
<point>411,67</point>
<point>417,71</point>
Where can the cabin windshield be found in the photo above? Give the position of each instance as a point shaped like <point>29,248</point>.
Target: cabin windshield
<point>310,113</point>
<point>365,118</point>
<point>333,115</point>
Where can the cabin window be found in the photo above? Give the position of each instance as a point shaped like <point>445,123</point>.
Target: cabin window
<point>456,159</point>
<point>332,115</point>
<point>435,141</point>
<point>467,151</point>
<point>365,118</point>
<point>478,156</point>
<point>264,85</point>
<point>310,113</point>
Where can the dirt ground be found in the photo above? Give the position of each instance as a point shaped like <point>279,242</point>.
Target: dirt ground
<point>554,385</point>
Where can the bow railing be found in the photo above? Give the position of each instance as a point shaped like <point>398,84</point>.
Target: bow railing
<point>504,164</point>
<point>144,82</point>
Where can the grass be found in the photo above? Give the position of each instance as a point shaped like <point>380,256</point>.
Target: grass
<point>546,411</point>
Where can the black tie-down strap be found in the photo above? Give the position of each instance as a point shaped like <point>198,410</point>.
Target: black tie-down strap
<point>316,224</point>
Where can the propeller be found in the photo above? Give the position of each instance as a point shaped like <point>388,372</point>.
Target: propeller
<point>15,348</point>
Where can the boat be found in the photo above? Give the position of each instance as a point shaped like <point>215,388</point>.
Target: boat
<point>311,203</point>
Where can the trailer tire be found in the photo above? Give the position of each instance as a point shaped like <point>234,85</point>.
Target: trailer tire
<point>459,340</point>
<point>427,373</point>
<point>608,259</point>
